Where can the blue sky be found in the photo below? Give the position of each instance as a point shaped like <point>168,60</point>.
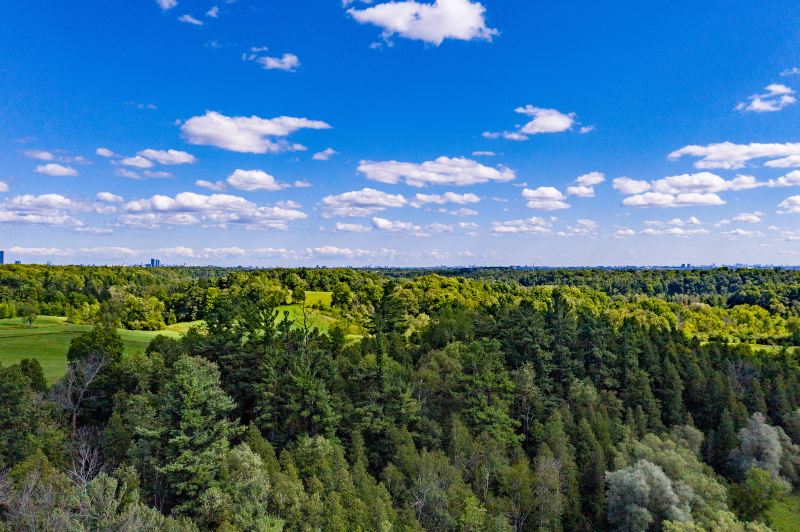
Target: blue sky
<point>400,133</point>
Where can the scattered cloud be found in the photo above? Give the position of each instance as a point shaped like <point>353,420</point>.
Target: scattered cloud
<point>167,156</point>
<point>626,185</point>
<point>535,225</point>
<point>43,209</point>
<point>54,169</point>
<point>659,199</point>
<point>545,199</point>
<point>745,217</point>
<point>542,121</point>
<point>790,205</point>
<point>396,226</point>
<point>213,12</point>
<point>457,171</point>
<point>792,179</point>
<point>483,153</point>
<point>794,71</point>
<point>247,134</point>
<point>108,197</point>
<point>324,155</point>
<point>351,228</point>
<point>251,180</point>
<point>447,197</point>
<point>219,210</point>
<point>105,152</point>
<point>42,155</point>
<point>287,62</point>
<point>167,4</point>
<point>189,19</point>
<point>3,186</point>
<point>433,23</point>
<point>730,156</point>
<point>583,227</point>
<point>216,186</point>
<point>137,162</point>
<point>776,97</point>
<point>584,184</point>
<point>364,202</point>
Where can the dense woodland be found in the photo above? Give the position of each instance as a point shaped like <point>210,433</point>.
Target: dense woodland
<point>486,399</point>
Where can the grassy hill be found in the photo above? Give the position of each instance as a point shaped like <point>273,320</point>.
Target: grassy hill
<point>48,340</point>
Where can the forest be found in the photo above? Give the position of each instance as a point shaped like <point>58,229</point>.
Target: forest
<point>336,399</point>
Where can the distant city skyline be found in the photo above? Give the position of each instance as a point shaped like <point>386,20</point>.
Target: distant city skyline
<point>427,133</point>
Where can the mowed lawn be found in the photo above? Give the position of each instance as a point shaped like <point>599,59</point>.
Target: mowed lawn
<point>48,341</point>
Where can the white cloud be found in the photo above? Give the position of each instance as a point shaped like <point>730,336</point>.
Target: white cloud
<point>626,185</point>
<point>730,156</point>
<point>108,197</point>
<point>591,179</point>
<point>396,226</point>
<point>447,197</point>
<point>659,199</point>
<point>216,186</point>
<point>545,199</point>
<point>246,134</point>
<point>543,121</point>
<point>483,153</point>
<point>167,4</point>
<point>137,162</point>
<point>188,208</point>
<point>351,228</point>
<point>702,182</point>
<point>3,186</point>
<point>534,225</point>
<point>43,209</point>
<point>745,217</point>
<point>790,72</point>
<point>188,19</point>
<point>42,155</point>
<point>54,169</point>
<point>583,227</point>
<point>213,12</point>
<point>301,183</point>
<point>624,232</point>
<point>586,129</point>
<point>674,231</point>
<point>433,23</point>
<point>365,202</point>
<point>792,161</point>
<point>740,233</point>
<point>251,180</point>
<point>580,191</point>
<point>167,156</point>
<point>792,179</point>
<point>105,152</point>
<point>456,171</point>
<point>776,97</point>
<point>287,62</point>
<point>790,205</point>
<point>324,155</point>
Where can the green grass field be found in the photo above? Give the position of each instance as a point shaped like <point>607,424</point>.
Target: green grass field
<point>48,341</point>
<point>783,516</point>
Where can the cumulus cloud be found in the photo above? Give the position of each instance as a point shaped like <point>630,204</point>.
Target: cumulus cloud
<point>54,169</point>
<point>535,225</point>
<point>167,156</point>
<point>703,182</point>
<point>108,197</point>
<point>247,134</point>
<point>659,199</point>
<point>216,186</point>
<point>137,162</point>
<point>457,171</point>
<point>364,202</point>
<point>627,186</point>
<point>42,155</point>
<point>43,209</point>
<point>3,186</point>
<point>776,97</point>
<point>483,153</point>
<point>447,197</point>
<point>188,208</point>
<point>624,232</point>
<point>189,19</point>
<point>584,184</point>
<point>542,121</point>
<point>792,179</point>
<point>790,205</point>
<point>674,231</point>
<point>433,23</point>
<point>397,226</point>
<point>545,199</point>
<point>213,12</point>
<point>351,228</point>
<point>582,227</point>
<point>251,180</point>
<point>287,62</point>
<point>105,152</point>
<point>730,156</point>
<point>167,4</point>
<point>324,155</point>
<point>745,217</point>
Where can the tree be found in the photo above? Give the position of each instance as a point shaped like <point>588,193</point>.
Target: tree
<point>548,490</point>
<point>32,369</point>
<point>29,312</point>
<point>641,496</point>
<point>17,415</point>
<point>342,296</point>
<point>755,495</point>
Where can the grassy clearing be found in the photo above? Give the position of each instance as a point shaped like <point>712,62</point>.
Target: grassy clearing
<point>784,516</point>
<point>319,298</point>
<point>48,341</point>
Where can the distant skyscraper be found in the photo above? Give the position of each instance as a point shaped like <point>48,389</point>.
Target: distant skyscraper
<point>155,263</point>
<point>2,257</point>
